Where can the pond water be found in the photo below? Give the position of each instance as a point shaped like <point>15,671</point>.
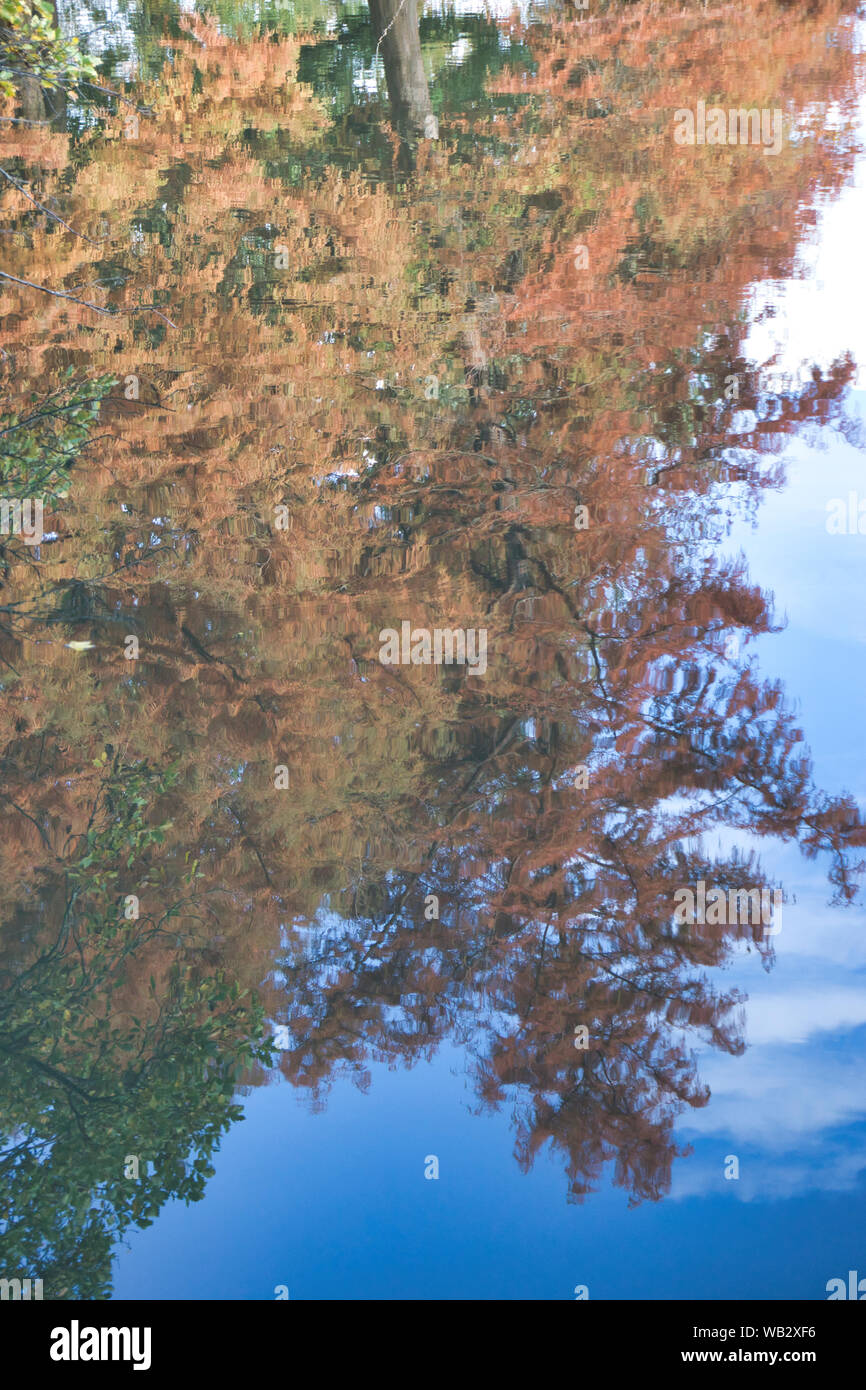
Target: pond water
<point>331,968</point>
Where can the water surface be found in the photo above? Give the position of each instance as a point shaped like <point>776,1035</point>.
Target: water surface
<point>297,945</point>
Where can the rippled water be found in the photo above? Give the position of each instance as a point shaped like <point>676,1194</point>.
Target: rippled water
<point>330,975</point>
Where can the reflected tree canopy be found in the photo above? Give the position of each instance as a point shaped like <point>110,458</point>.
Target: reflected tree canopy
<point>318,389</point>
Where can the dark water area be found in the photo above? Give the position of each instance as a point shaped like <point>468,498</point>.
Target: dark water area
<point>431,652</point>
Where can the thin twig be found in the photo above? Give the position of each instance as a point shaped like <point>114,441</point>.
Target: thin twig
<point>145,110</point>
<point>153,310</point>
<point>112,313</point>
<point>58,294</point>
<point>42,208</point>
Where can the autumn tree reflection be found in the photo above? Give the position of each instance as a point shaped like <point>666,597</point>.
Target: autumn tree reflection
<point>462,423</point>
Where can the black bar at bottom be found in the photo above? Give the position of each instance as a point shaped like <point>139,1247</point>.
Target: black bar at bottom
<point>83,1340</point>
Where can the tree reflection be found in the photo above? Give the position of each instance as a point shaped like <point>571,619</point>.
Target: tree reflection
<point>466,425</point>
<point>395,22</point>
